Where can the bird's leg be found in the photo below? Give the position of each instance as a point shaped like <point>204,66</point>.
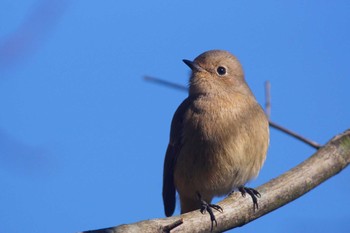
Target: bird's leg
<point>253,193</point>
<point>209,207</point>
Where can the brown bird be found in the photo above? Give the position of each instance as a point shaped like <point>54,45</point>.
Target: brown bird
<point>219,137</point>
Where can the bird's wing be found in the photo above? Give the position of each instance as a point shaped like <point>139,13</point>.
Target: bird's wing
<point>172,153</point>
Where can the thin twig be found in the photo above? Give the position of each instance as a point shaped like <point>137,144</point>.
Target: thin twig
<point>267,95</point>
<point>281,128</point>
<point>268,99</point>
<point>295,135</point>
<point>166,83</point>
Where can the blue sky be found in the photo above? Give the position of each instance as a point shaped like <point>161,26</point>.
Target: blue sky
<point>83,136</point>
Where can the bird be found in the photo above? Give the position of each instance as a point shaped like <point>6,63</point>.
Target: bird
<point>219,137</point>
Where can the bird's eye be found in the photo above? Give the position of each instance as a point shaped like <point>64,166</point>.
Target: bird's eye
<point>221,70</point>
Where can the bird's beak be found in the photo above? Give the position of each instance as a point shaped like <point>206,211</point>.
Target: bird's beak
<point>194,66</point>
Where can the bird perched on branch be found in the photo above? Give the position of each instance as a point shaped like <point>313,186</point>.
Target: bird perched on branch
<point>219,137</point>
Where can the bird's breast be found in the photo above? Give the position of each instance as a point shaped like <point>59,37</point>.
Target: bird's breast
<point>216,152</point>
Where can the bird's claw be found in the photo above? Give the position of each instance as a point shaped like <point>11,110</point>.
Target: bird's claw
<point>253,193</point>
<point>207,207</point>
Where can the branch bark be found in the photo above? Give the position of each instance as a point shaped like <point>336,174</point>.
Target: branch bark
<point>325,163</point>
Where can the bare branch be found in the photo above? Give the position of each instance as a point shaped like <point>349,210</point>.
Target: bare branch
<point>166,83</point>
<point>295,135</point>
<point>281,128</point>
<point>238,211</point>
<point>268,99</point>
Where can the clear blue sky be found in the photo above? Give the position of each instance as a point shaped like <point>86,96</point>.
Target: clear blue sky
<point>83,136</point>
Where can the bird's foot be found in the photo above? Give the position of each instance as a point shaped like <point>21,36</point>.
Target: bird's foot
<point>253,193</point>
<point>207,207</point>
